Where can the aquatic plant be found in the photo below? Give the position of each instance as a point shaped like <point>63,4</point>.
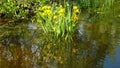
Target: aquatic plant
<point>91,3</point>
<point>58,20</point>
<point>94,3</point>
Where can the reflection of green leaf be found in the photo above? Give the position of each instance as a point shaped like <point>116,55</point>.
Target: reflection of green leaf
<point>66,37</point>
<point>12,45</point>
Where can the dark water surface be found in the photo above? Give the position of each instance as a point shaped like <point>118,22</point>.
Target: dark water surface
<point>96,46</point>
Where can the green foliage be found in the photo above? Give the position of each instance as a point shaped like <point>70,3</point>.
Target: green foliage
<point>91,3</point>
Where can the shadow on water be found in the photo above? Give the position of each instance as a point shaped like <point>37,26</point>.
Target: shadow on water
<point>29,48</point>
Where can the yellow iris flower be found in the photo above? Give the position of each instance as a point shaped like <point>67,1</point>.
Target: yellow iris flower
<point>75,7</point>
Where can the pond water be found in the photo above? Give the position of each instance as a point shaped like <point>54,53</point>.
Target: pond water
<point>115,63</point>
<point>95,45</point>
